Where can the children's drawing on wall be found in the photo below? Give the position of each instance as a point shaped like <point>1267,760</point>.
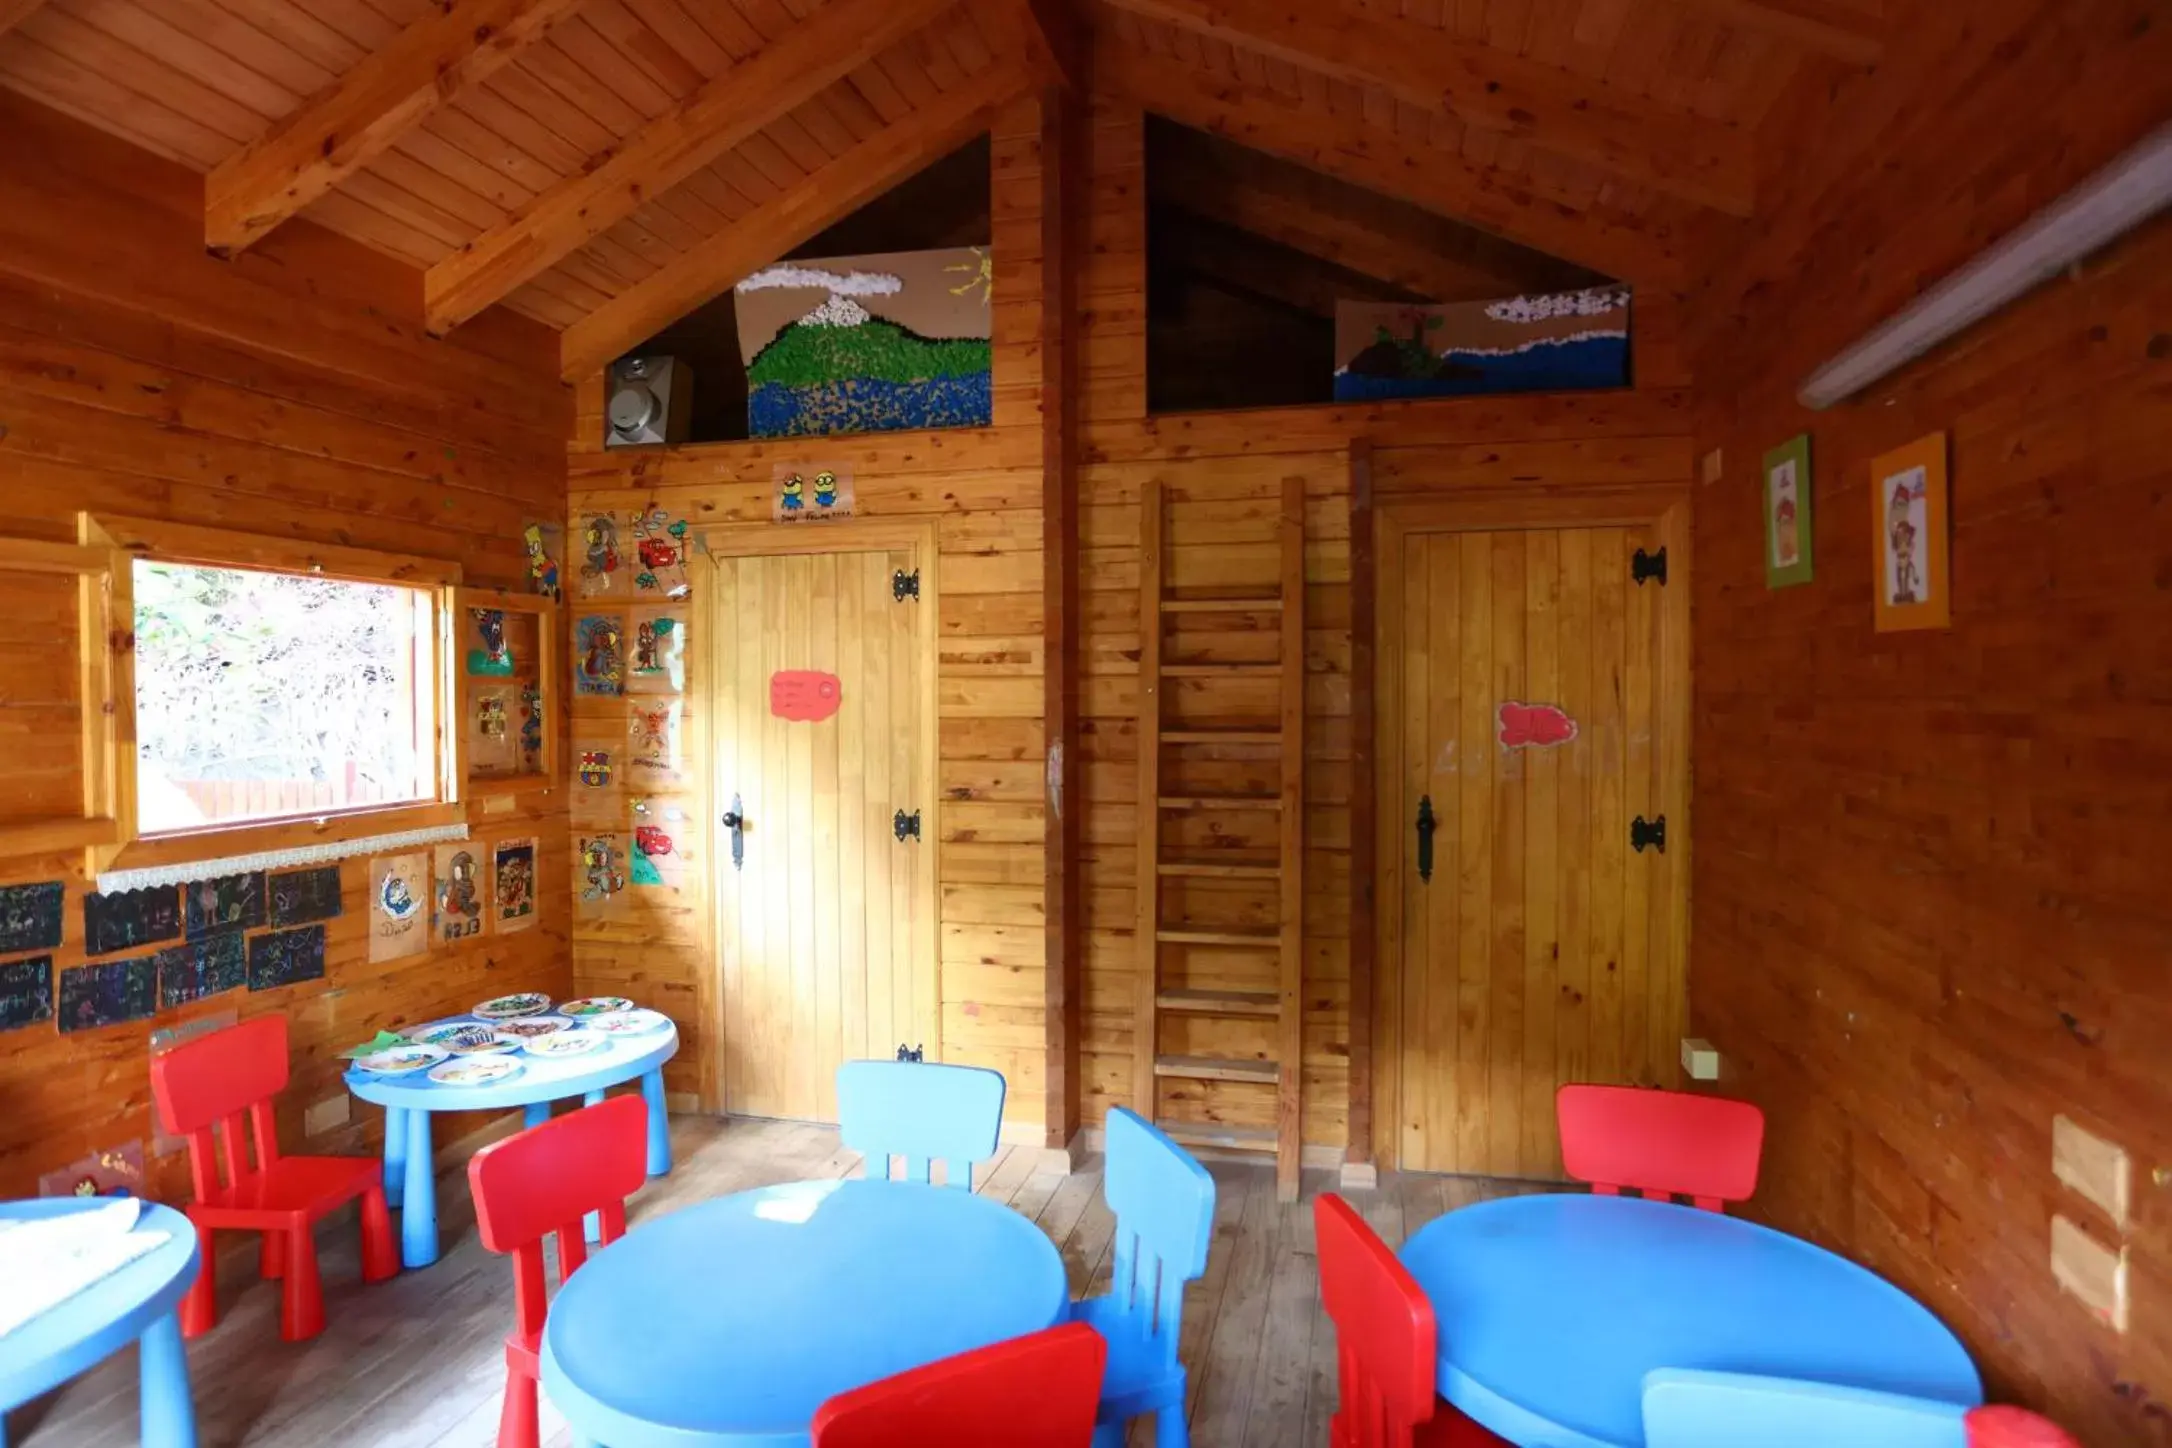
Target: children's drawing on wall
<point>600,865</point>
<point>1908,496</point>
<point>109,993</point>
<point>652,739</point>
<point>602,572</point>
<point>810,492</point>
<point>531,727</point>
<point>513,884</point>
<point>459,892</point>
<point>657,663</point>
<point>598,655</point>
<point>206,967</point>
<point>115,1171</point>
<point>286,957</point>
<point>232,902</point>
<point>659,837</point>
<point>399,897</point>
<point>489,652</point>
<point>490,729</point>
<point>26,992</point>
<point>131,918</point>
<point>867,343</point>
<point>1788,533</point>
<point>30,916</point>
<point>660,554</point>
<point>1556,341</point>
<point>305,895</point>
<point>545,543</point>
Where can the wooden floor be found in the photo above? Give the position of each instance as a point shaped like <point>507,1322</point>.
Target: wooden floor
<point>418,1362</point>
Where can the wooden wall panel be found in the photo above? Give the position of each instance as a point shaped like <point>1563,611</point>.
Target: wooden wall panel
<point>1929,904</point>
<point>290,393</point>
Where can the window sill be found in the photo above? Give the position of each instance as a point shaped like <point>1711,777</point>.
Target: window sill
<point>259,838</point>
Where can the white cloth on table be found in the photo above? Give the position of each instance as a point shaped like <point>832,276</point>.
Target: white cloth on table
<point>46,1260</point>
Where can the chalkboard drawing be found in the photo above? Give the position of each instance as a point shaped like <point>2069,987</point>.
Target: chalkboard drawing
<point>30,917</point>
<point>232,902</point>
<point>109,993</point>
<point>286,957</point>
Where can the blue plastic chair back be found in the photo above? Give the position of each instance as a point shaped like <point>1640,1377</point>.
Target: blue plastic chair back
<point>1684,1409</point>
<point>920,1111</point>
<point>1164,1205</point>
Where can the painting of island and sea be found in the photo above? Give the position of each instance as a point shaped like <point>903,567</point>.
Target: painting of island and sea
<point>867,343</point>
<point>1553,342</point>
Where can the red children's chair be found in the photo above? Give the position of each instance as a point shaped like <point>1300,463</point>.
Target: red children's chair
<point>2002,1426</point>
<point>1042,1389</point>
<point>544,1181</point>
<point>1660,1143</point>
<point>213,1082</point>
<point>1385,1341</point>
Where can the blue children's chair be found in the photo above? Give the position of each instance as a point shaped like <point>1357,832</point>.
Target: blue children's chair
<point>1684,1409</point>
<point>1164,1205</point>
<point>920,1111</point>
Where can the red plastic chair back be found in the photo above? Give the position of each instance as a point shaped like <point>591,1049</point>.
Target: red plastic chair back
<point>216,1081</point>
<point>545,1180</point>
<point>1660,1143</point>
<point>2009,1427</point>
<point>1041,1389</point>
<point>1384,1331</point>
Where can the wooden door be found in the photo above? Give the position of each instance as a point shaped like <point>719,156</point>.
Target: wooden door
<point>825,925</point>
<point>1528,958</point>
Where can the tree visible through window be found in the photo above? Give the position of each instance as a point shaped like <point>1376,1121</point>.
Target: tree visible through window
<point>265,695</point>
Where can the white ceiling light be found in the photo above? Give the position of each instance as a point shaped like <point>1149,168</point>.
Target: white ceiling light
<point>2114,201</point>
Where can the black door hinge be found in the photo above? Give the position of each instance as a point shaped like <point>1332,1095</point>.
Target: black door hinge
<point>905,585</point>
<point>1649,565</point>
<point>906,826</point>
<point>1644,832</point>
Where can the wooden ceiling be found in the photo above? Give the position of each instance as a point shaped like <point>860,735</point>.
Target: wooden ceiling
<point>603,166</point>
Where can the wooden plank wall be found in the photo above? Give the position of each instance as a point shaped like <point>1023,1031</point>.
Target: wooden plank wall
<point>1930,908</point>
<point>291,393</point>
<point>1224,473</point>
<point>983,489</point>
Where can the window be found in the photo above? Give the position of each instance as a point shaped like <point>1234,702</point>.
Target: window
<point>266,695</point>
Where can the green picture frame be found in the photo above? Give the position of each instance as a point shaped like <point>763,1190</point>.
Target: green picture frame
<point>1785,495</point>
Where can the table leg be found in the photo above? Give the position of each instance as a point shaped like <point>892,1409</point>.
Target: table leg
<point>418,1209</point>
<point>652,1087</point>
<point>592,1224</point>
<point>395,1154</point>
<point>169,1414</point>
<point>536,1113</point>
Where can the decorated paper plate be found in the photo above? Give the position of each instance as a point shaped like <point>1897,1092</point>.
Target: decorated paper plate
<point>476,1071</point>
<point>466,1038</point>
<point>509,1007</point>
<point>636,1022</point>
<point>400,1060</point>
<point>527,1028</point>
<point>589,1006</point>
<point>575,1042</point>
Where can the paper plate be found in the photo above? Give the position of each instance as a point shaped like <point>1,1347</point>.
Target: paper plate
<point>466,1038</point>
<point>476,1071</point>
<point>636,1022</point>
<point>527,1028</point>
<point>400,1060</point>
<point>509,1007</point>
<point>567,1043</point>
<point>588,1006</point>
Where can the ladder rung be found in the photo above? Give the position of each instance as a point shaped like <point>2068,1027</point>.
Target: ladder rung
<point>1216,870</point>
<point>1221,1002</point>
<point>1220,671</point>
<point>1222,801</point>
<point>1221,605</point>
<point>1222,736</point>
<point>1261,938</point>
<point>1214,1134</point>
<point>1217,1068</point>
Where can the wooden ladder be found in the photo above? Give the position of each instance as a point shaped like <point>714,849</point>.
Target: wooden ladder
<point>1282,1005</point>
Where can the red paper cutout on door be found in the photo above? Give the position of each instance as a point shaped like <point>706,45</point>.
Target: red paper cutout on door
<point>1525,726</point>
<point>805,696</point>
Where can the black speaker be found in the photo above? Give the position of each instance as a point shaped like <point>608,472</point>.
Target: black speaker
<point>648,402</point>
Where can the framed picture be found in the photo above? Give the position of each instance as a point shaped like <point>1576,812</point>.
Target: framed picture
<point>1909,537</point>
<point>1789,537</point>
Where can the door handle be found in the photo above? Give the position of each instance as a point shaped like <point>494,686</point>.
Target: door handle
<point>735,820</point>
<point>1427,823</point>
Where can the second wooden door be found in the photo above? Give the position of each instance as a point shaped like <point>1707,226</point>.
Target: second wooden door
<point>825,920</point>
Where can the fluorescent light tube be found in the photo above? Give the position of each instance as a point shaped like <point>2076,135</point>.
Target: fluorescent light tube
<point>2109,204</point>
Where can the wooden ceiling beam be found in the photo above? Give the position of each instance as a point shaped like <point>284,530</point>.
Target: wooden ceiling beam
<point>1819,26</point>
<point>1642,251</point>
<point>15,12</point>
<point>1051,36</point>
<point>352,122</point>
<point>1616,131</point>
<point>824,196</point>
<point>837,40</point>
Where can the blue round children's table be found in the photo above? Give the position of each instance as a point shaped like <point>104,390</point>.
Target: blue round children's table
<point>1553,1308</point>
<point>731,1322</point>
<point>411,1184</point>
<point>137,1304</point>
